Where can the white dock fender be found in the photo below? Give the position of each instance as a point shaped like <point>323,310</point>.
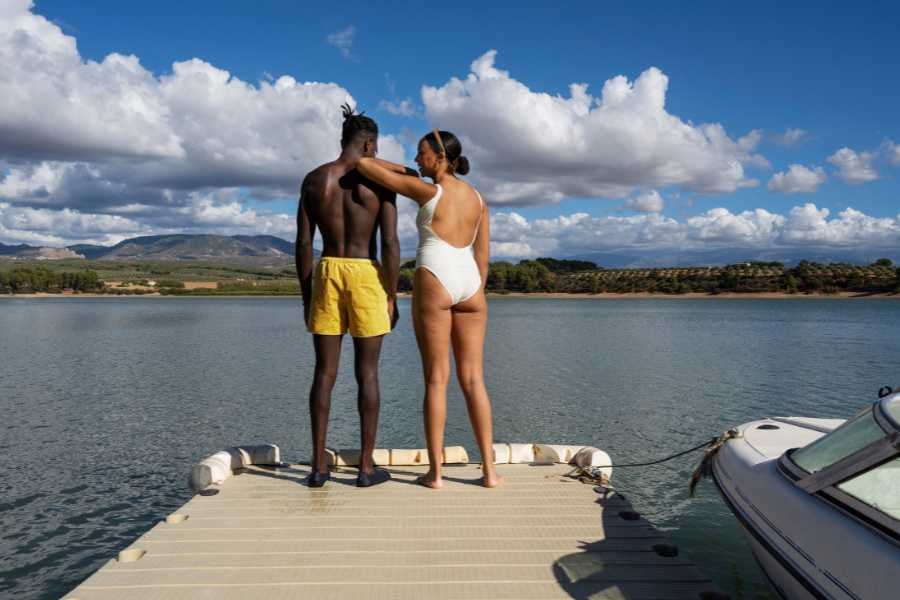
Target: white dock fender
<point>521,453</point>
<point>456,455</point>
<point>331,458</point>
<point>571,451</point>
<point>545,454</point>
<point>501,454</point>
<point>213,469</point>
<point>402,457</point>
<point>262,454</point>
<point>349,457</point>
<point>593,457</point>
<point>381,456</point>
<point>221,465</point>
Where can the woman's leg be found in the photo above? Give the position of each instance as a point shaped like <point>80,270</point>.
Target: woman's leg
<point>469,323</point>
<point>431,319</point>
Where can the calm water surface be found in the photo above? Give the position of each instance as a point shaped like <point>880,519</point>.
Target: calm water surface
<point>106,403</point>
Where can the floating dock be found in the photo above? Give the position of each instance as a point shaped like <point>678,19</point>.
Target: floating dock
<point>263,534</point>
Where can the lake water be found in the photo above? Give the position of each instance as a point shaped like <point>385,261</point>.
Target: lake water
<point>106,403</point>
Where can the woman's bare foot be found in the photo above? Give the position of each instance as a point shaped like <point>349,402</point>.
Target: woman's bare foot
<point>430,480</point>
<point>491,480</point>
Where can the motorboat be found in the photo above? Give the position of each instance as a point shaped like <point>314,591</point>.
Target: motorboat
<point>819,500</point>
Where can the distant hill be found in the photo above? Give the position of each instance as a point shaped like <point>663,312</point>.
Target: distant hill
<point>248,249</point>
<point>257,248</point>
<point>89,251</point>
<point>11,250</point>
<point>26,252</point>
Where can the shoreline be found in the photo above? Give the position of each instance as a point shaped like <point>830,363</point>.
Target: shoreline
<point>697,295</point>
<point>537,295</point>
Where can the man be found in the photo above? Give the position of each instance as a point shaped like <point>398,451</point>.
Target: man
<point>348,290</point>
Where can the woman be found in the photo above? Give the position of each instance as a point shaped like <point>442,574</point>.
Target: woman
<point>449,306</point>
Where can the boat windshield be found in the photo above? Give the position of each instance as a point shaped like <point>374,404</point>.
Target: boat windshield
<point>871,479</point>
<point>878,487</point>
<point>855,434</point>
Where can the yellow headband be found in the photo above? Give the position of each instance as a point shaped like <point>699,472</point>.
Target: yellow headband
<point>437,135</point>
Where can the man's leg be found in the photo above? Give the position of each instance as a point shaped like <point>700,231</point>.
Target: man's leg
<point>366,353</point>
<point>328,354</point>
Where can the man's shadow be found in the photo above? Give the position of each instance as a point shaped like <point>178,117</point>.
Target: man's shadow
<point>298,476</point>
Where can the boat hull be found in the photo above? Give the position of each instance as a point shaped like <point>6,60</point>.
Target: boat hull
<point>785,581</point>
<point>808,548</point>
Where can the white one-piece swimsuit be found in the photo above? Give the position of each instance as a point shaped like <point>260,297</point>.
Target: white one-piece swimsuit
<point>454,267</point>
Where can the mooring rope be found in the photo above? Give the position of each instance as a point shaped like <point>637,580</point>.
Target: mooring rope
<point>594,475</point>
<point>662,460</point>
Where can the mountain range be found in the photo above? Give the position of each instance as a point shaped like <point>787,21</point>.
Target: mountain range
<point>256,249</point>
<point>268,249</point>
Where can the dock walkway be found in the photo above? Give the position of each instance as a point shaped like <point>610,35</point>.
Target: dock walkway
<point>265,535</point>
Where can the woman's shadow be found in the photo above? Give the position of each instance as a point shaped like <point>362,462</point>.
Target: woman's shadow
<point>630,560</point>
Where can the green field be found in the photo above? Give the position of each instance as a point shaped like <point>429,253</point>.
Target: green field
<point>127,277</point>
<point>110,270</point>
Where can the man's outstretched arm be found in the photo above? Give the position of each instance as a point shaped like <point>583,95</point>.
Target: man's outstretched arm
<point>390,250</point>
<point>303,257</point>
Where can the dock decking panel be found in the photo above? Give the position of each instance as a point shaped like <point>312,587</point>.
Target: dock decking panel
<point>265,535</point>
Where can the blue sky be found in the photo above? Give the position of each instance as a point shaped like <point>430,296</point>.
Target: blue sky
<point>823,70</point>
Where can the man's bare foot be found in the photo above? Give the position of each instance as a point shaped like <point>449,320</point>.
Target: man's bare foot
<point>430,481</point>
<point>491,480</point>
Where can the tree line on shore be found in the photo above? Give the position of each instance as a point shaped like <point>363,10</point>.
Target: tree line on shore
<point>570,276</point>
<point>27,279</point>
<point>526,276</point>
<point>752,277</point>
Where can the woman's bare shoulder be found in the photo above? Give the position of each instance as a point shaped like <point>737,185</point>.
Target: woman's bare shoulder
<point>469,192</point>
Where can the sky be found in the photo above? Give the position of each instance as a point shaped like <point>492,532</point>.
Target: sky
<point>655,131</point>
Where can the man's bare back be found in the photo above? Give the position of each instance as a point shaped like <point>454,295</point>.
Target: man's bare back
<point>346,208</point>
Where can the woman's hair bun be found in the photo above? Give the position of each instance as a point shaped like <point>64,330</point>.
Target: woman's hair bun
<point>462,165</point>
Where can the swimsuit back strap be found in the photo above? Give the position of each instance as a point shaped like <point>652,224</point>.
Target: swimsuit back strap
<point>478,222</point>
<point>430,206</point>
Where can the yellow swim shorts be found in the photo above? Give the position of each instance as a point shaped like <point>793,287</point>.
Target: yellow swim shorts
<point>348,294</point>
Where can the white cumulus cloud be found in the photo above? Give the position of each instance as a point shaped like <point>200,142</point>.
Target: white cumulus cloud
<point>798,179</point>
<point>44,227</point>
<point>54,104</point>
<point>716,229</point>
<point>791,137</point>
<point>219,212</point>
<point>109,137</point>
<point>532,147</point>
<point>808,224</point>
<point>854,167</point>
<point>197,126</point>
<point>891,151</point>
<point>649,202</point>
